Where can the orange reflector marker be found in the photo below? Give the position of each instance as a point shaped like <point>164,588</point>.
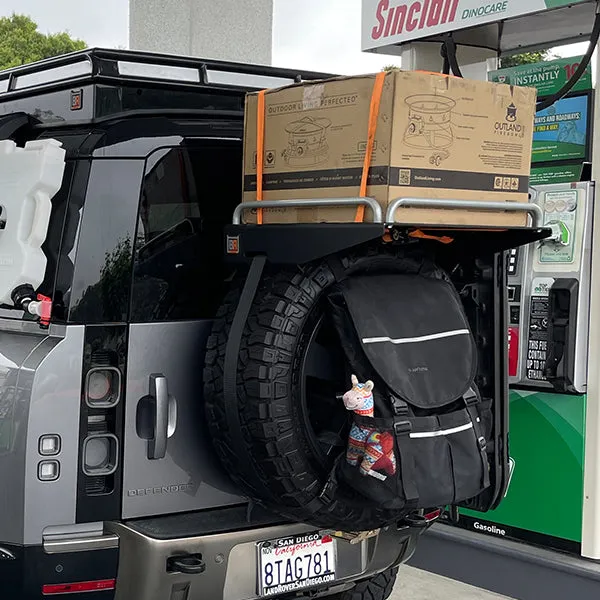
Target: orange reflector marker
<point>53,589</point>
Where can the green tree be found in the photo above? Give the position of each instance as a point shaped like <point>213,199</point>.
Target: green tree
<point>526,58</point>
<point>22,43</point>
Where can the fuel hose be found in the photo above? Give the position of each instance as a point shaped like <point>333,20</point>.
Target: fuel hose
<point>585,61</point>
<point>448,52</point>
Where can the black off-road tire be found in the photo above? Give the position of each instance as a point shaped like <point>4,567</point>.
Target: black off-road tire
<point>268,454</point>
<point>379,587</point>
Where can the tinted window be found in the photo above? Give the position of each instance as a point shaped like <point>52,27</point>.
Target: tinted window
<point>188,195</point>
<point>102,277</point>
<point>113,100</point>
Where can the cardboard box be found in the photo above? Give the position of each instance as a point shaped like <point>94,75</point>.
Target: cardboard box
<point>437,137</point>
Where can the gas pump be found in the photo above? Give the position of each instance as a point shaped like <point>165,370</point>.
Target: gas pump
<point>553,498</point>
<point>548,332</point>
<point>549,292</point>
<point>555,287</point>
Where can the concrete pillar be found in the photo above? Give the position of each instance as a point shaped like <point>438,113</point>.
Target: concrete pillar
<point>233,30</point>
<point>474,62</point>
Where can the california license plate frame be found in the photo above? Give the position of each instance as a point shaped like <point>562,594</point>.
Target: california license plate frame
<point>310,558</point>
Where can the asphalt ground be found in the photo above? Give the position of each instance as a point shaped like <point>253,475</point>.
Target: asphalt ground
<point>414,584</point>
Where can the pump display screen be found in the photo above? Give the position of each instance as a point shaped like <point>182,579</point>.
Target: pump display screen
<point>561,132</point>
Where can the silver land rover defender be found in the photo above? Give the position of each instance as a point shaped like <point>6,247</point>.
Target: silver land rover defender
<point>119,176</point>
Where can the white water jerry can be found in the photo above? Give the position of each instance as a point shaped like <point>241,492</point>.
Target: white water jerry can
<point>29,178</point>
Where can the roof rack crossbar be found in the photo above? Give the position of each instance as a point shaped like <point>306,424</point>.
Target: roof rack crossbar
<point>94,64</point>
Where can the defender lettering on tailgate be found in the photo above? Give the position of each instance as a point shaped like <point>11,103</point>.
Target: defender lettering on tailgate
<point>165,489</point>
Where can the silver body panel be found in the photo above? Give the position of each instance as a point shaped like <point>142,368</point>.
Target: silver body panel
<point>188,477</point>
<point>231,562</point>
<point>40,388</point>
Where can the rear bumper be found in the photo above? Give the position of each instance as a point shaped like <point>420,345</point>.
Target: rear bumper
<point>230,560</point>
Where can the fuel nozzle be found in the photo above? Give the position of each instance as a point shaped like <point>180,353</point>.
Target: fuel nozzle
<point>560,233</point>
<point>25,298</point>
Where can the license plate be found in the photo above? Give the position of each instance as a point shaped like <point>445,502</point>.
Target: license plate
<point>294,563</point>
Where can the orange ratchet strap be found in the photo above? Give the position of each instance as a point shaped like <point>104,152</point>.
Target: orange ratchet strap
<point>260,148</point>
<point>373,116</point>
<point>444,239</point>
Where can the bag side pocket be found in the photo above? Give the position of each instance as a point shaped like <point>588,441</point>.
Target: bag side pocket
<point>467,451</point>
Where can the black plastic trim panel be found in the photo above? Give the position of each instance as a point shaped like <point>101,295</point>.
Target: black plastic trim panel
<point>207,522</point>
<point>506,567</point>
<point>23,577</point>
<point>103,346</point>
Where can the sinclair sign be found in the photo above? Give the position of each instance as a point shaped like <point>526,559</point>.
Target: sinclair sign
<point>388,22</point>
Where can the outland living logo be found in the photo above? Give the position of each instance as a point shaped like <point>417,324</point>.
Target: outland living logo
<point>510,126</point>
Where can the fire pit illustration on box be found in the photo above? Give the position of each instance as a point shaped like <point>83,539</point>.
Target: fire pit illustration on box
<point>430,125</point>
<point>307,142</point>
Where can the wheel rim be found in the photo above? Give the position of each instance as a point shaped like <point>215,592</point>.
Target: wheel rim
<point>322,379</point>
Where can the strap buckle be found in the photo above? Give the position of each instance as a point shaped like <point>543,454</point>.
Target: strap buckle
<point>402,427</point>
<point>471,397</point>
<point>400,407</point>
<point>328,491</point>
<point>482,443</point>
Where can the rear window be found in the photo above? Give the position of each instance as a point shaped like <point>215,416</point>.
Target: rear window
<point>102,276</point>
<point>189,193</point>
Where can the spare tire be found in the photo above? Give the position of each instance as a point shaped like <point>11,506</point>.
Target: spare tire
<point>280,441</point>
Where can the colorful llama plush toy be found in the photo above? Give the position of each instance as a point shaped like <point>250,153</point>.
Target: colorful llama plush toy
<point>373,449</point>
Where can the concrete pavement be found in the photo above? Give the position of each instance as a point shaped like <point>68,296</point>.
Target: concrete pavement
<point>414,584</point>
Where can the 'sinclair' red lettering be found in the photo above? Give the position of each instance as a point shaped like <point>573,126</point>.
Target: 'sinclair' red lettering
<point>433,18</point>
<point>399,24</point>
<point>412,21</point>
<point>453,11</point>
<point>425,8</point>
<point>390,18</point>
<point>382,7</point>
<point>418,14</point>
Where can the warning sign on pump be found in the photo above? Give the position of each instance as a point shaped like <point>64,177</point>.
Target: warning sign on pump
<point>537,341</point>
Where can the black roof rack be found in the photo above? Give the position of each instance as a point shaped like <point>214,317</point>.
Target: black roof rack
<point>98,65</point>
<point>95,85</point>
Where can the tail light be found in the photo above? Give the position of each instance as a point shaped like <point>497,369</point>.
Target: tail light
<point>103,387</point>
<point>100,436</point>
<point>100,454</point>
<point>101,423</point>
<point>54,589</point>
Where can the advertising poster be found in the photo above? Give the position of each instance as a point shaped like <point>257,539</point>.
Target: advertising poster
<point>560,131</point>
<point>547,77</point>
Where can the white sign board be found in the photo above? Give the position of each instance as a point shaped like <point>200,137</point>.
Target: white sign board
<point>388,22</point>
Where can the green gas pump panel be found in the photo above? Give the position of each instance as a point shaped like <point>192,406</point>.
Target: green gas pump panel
<point>548,324</point>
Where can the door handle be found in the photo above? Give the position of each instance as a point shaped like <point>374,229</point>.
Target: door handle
<point>159,393</point>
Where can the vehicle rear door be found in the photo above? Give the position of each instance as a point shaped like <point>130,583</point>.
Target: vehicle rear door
<point>188,192</point>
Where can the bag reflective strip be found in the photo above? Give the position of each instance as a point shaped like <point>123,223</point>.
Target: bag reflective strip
<point>422,338</point>
<point>428,434</point>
